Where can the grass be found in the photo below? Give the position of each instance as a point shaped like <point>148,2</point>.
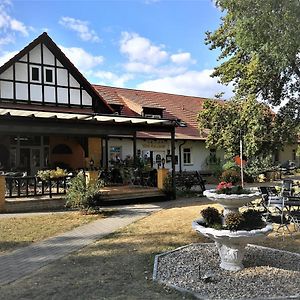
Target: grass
<point>21,231</point>
<point>120,265</point>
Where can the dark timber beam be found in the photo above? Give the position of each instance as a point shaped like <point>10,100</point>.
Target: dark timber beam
<point>173,161</point>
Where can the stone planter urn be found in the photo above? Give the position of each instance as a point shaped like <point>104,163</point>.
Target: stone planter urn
<point>231,244</point>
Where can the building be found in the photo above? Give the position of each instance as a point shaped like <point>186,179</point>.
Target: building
<point>50,115</point>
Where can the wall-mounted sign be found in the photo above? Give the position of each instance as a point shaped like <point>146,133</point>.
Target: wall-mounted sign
<point>154,144</point>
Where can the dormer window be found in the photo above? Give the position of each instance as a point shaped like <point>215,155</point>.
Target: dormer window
<point>35,73</point>
<point>150,112</point>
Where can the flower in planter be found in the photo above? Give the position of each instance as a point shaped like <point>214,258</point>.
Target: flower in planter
<point>228,188</point>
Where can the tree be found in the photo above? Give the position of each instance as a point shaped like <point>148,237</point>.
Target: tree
<point>262,131</point>
<point>260,49</point>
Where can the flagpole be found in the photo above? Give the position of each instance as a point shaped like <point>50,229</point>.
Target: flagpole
<point>241,159</point>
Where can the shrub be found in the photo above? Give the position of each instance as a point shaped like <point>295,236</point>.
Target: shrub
<point>231,175</point>
<point>168,187</point>
<point>51,174</point>
<point>212,217</point>
<point>83,196</point>
<point>234,221</point>
<point>230,164</point>
<point>252,220</point>
<point>259,165</point>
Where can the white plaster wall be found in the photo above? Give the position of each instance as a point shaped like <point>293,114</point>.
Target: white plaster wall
<point>8,74</point>
<point>62,77</point>
<point>49,94</point>
<point>6,89</point>
<point>73,82</point>
<point>23,58</point>
<point>35,54</point>
<point>74,96</point>
<point>21,72</point>
<point>22,91</point>
<point>198,151</point>
<point>62,95</point>
<point>48,56</point>
<point>58,63</point>
<point>86,98</point>
<point>36,92</point>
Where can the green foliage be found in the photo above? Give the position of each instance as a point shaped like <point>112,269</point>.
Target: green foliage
<point>234,221</point>
<point>261,130</point>
<point>258,165</point>
<point>260,46</point>
<point>252,220</point>
<point>231,175</point>
<point>51,174</point>
<point>83,196</point>
<point>230,165</point>
<point>212,217</point>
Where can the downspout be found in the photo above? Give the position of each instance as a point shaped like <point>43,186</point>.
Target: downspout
<point>180,166</point>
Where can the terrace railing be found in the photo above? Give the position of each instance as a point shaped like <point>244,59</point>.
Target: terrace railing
<point>31,186</point>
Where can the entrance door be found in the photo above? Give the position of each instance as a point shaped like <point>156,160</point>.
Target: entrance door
<point>30,160</point>
<point>35,157</point>
<point>25,160</point>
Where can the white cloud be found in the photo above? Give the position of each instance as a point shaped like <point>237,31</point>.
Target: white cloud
<point>109,78</point>
<point>8,24</point>
<point>6,57</point>
<point>81,28</point>
<point>182,58</point>
<point>140,49</point>
<point>83,60</point>
<point>193,83</point>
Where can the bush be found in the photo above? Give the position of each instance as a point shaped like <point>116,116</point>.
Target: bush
<point>212,217</point>
<point>234,221</point>
<point>259,165</point>
<point>231,175</point>
<point>252,220</point>
<point>51,174</point>
<point>168,187</point>
<point>230,164</point>
<point>83,196</point>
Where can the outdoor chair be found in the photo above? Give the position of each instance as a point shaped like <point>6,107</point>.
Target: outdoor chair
<point>274,208</point>
<point>287,187</point>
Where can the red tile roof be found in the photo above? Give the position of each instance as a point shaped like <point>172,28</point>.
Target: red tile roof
<point>180,107</point>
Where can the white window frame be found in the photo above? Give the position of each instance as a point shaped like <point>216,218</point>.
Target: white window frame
<point>45,70</point>
<point>40,74</point>
<point>187,156</point>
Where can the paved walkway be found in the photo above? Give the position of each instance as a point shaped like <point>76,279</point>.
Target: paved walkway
<point>24,261</point>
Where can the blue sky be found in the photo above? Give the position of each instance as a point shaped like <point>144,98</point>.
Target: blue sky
<point>145,44</point>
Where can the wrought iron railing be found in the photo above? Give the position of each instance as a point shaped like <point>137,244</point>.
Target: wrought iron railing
<point>31,186</point>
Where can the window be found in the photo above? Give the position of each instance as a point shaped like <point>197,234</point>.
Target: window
<point>35,74</point>
<point>49,75</point>
<point>187,157</point>
<point>115,153</point>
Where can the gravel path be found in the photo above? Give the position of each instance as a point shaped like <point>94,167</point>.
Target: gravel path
<point>268,273</point>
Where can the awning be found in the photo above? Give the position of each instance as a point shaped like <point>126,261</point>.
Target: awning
<point>34,121</point>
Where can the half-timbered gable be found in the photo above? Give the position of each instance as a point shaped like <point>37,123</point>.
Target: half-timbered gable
<point>41,74</point>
